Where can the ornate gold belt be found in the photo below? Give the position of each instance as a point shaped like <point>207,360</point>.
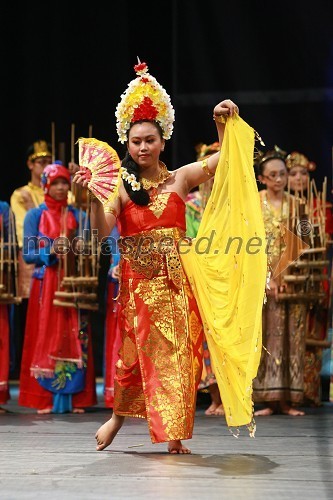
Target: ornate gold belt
<point>149,251</point>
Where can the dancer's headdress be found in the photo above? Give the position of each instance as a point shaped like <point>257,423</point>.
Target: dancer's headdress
<point>144,99</point>
<point>51,173</point>
<point>296,159</point>
<point>275,153</point>
<point>205,150</point>
<point>38,149</point>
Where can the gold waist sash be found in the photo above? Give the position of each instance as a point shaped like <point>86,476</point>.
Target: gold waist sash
<point>152,253</point>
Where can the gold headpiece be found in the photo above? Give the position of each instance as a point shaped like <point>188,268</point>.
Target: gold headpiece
<point>277,153</point>
<point>144,99</point>
<point>39,149</point>
<point>296,159</point>
<point>204,150</point>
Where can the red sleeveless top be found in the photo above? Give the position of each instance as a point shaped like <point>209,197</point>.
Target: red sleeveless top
<point>166,210</point>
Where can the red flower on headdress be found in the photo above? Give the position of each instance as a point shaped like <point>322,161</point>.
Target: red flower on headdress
<point>141,68</point>
<point>145,111</point>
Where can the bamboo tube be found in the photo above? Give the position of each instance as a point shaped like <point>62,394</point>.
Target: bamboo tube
<point>87,241</point>
<point>9,267</point>
<point>324,199</point>
<point>7,298</point>
<point>80,255</point>
<point>80,280</point>
<point>90,131</point>
<point>76,305</point>
<point>325,344</point>
<point>288,205</point>
<point>15,257</point>
<point>311,212</point>
<point>64,232</point>
<point>320,218</point>
<point>293,215</point>
<point>80,295</point>
<point>72,142</point>
<point>302,297</point>
<point>53,141</point>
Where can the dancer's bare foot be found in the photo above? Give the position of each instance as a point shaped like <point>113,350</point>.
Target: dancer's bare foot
<point>108,431</point>
<point>215,409</point>
<point>78,410</point>
<point>44,411</point>
<point>176,447</point>
<point>211,409</point>
<point>219,411</point>
<point>3,410</point>
<point>265,412</point>
<point>293,412</point>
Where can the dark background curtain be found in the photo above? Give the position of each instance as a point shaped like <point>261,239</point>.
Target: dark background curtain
<point>64,63</point>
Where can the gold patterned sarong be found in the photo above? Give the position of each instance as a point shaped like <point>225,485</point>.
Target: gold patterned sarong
<point>149,251</point>
<point>161,355</point>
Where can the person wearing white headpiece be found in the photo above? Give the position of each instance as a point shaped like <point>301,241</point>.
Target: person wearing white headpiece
<point>160,361</point>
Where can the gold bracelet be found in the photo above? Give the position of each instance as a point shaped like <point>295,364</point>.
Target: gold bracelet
<point>205,168</point>
<point>110,210</point>
<point>220,118</point>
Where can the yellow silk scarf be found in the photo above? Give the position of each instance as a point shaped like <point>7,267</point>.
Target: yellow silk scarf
<point>226,266</point>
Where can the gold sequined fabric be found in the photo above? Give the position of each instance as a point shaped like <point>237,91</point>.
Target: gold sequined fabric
<point>150,253</point>
<point>161,356</point>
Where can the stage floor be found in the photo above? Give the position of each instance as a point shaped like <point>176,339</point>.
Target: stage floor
<point>54,457</point>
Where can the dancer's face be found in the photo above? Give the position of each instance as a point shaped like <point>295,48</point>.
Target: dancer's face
<point>274,175</point>
<point>298,178</point>
<point>59,189</point>
<point>145,144</point>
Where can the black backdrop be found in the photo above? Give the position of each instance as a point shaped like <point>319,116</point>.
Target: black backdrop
<point>64,63</point>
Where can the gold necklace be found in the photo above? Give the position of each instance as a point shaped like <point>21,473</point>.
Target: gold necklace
<point>274,211</point>
<point>156,181</point>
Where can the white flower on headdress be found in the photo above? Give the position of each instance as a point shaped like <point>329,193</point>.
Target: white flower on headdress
<point>130,178</point>
<point>144,99</point>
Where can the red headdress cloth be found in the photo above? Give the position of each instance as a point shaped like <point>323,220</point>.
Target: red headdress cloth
<point>53,172</point>
<point>144,99</point>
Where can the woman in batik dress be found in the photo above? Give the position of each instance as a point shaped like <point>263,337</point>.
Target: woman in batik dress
<point>279,384</point>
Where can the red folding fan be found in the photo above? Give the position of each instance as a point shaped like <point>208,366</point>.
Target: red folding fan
<point>100,164</point>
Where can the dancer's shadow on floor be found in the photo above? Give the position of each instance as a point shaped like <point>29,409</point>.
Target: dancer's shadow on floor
<point>226,465</point>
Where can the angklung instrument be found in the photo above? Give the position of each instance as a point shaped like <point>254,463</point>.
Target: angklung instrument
<point>8,263</point>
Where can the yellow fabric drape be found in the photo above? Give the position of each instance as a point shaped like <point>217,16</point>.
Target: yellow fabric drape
<point>226,266</point>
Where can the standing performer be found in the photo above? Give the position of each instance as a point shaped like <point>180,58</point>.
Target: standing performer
<point>321,217</point>
<point>4,316</point>
<point>57,372</point>
<point>279,383</point>
<point>160,361</point>
<point>22,199</point>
